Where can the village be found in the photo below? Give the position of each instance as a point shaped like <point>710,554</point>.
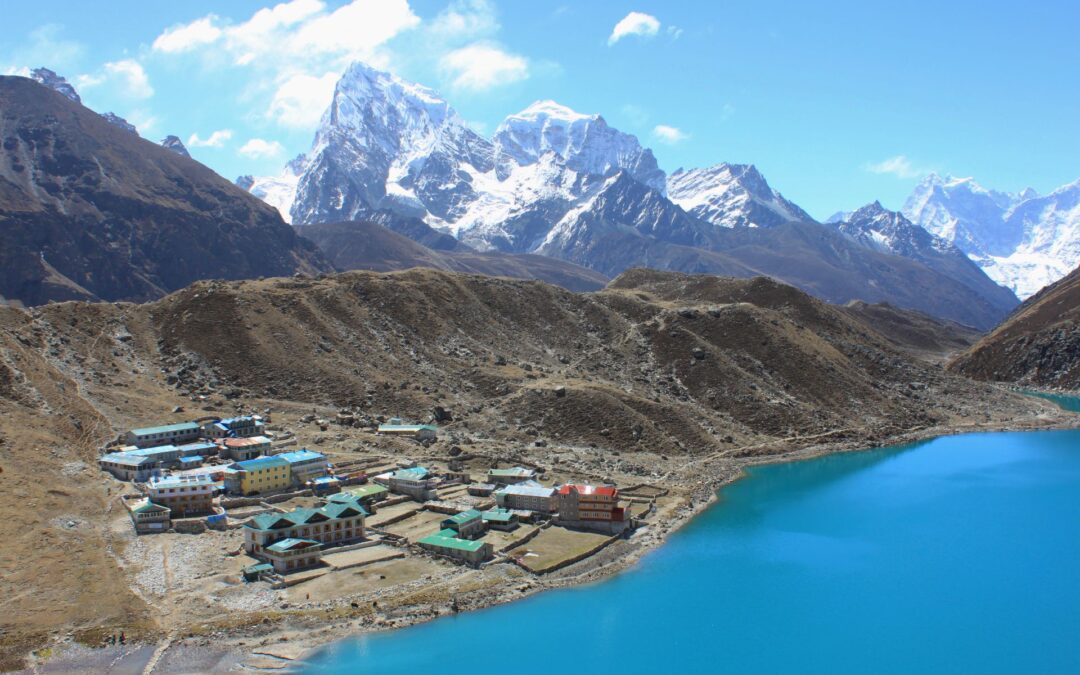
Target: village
<point>320,526</point>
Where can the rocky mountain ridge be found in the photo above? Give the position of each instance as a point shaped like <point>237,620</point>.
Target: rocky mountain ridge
<point>91,211</point>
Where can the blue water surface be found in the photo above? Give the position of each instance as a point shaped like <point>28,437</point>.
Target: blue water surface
<point>957,555</point>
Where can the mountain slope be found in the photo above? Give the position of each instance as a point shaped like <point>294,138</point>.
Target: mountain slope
<point>890,232</point>
<point>370,246</point>
<point>90,211</point>
<point>1039,345</point>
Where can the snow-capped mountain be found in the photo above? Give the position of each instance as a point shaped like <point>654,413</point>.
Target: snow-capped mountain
<point>385,143</point>
<point>965,213</point>
<point>876,227</point>
<point>732,195</point>
<point>174,144</point>
<point>1023,241</point>
<point>564,184</point>
<point>585,143</point>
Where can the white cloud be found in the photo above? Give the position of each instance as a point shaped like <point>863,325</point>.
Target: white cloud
<point>301,99</point>
<point>481,66</point>
<point>465,19</point>
<point>143,120</point>
<point>127,76</point>
<point>899,166</point>
<point>674,32</point>
<point>182,38</point>
<point>668,134</point>
<point>637,115</point>
<point>297,48</point>
<point>258,148</point>
<point>216,139</point>
<point>635,23</point>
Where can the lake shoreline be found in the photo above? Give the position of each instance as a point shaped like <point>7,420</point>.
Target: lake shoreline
<point>287,642</point>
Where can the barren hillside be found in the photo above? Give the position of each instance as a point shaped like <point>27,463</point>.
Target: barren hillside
<point>656,378</point>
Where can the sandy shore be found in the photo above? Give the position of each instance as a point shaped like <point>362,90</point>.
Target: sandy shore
<point>282,642</point>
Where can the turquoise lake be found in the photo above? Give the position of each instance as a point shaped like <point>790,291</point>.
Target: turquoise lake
<point>957,555</point>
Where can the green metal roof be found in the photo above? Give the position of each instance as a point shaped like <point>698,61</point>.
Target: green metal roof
<point>463,517</point>
<point>415,473</point>
<point>367,490</point>
<point>289,544</point>
<point>442,540</point>
<point>182,426</point>
<point>498,515</point>
<point>516,471</point>
<point>149,506</point>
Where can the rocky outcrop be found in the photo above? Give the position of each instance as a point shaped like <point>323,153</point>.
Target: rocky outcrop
<point>1038,345</point>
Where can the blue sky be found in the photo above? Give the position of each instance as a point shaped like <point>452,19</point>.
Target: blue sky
<point>838,103</point>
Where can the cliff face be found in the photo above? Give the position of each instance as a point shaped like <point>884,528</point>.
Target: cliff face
<point>1038,345</point>
<point>89,211</point>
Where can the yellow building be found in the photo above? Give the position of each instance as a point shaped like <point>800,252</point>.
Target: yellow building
<point>263,474</point>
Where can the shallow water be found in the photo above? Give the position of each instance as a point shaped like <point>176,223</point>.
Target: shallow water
<point>960,554</point>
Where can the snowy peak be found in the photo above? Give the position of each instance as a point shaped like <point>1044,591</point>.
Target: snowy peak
<point>584,142</point>
<point>877,227</point>
<point>174,144</point>
<point>52,80</point>
<point>732,195</point>
<point>1023,241</point>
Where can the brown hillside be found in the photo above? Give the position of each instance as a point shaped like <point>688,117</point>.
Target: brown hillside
<point>358,245</point>
<point>1038,345</point>
<point>643,381</point>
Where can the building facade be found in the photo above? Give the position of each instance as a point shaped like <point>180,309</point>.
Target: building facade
<point>149,518</point>
<point>592,506</point>
<point>169,434</point>
<point>240,449</point>
<point>465,525</point>
<point>416,482</point>
<point>185,496</point>
<point>422,432</point>
<point>338,522</point>
<point>261,475</point>
<point>528,496</point>
<point>235,427</point>
<point>305,465</point>
<point>447,544</point>
<point>290,555</point>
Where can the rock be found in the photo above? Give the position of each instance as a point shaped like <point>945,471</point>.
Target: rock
<point>178,409</point>
<point>560,392</point>
<point>455,451</point>
<point>441,414</point>
<point>698,353</point>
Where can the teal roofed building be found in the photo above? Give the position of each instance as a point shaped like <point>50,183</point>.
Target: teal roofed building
<point>290,555</point>
<point>445,543</point>
<point>338,522</point>
<point>146,437</point>
<point>500,519</point>
<point>422,432</point>
<point>466,525</point>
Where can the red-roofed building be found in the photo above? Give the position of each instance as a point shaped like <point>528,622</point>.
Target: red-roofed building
<point>591,504</point>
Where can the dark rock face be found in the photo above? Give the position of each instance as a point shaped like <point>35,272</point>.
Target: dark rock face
<point>1038,345</point>
<point>90,211</point>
